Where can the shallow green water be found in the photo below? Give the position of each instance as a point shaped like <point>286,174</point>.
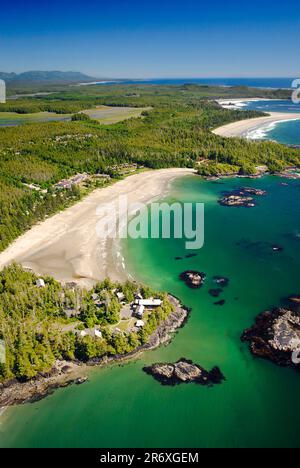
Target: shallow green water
<point>258,403</point>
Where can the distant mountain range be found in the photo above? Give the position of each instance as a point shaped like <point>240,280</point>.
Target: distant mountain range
<point>54,77</point>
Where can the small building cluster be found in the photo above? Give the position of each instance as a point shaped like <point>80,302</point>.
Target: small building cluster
<point>92,332</point>
<point>73,181</point>
<point>136,309</point>
<point>126,168</point>
<point>140,305</point>
<point>101,176</point>
<point>133,314</point>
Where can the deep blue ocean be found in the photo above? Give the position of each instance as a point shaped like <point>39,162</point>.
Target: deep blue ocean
<point>252,82</point>
<point>273,106</point>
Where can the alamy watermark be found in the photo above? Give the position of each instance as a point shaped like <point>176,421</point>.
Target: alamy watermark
<point>296,356</point>
<point>2,92</point>
<point>296,92</point>
<point>121,220</point>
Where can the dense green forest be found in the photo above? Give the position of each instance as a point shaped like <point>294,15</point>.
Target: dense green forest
<point>68,100</point>
<point>37,329</point>
<point>134,91</point>
<point>175,133</point>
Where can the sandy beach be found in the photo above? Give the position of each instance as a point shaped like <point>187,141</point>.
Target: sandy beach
<point>242,127</point>
<point>67,245</point>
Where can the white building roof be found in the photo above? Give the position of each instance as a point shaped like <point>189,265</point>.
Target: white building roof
<point>140,323</point>
<point>149,302</point>
<point>120,296</point>
<point>140,310</point>
<point>40,283</point>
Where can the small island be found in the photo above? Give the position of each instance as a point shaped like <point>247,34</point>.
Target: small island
<point>275,336</point>
<point>252,191</point>
<point>184,371</point>
<point>193,279</point>
<point>221,281</point>
<point>220,303</point>
<point>277,248</point>
<point>215,292</point>
<point>243,197</point>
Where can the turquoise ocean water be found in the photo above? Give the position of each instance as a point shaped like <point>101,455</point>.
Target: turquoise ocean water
<point>284,132</point>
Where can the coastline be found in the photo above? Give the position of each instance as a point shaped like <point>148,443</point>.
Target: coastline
<point>67,247</point>
<point>243,127</point>
<point>147,187</point>
<point>52,415</point>
<point>70,228</point>
<point>65,373</point>
<point>237,104</point>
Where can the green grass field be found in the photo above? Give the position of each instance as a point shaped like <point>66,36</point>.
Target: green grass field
<point>110,115</point>
<point>104,114</point>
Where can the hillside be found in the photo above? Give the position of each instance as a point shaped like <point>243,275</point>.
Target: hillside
<point>53,77</point>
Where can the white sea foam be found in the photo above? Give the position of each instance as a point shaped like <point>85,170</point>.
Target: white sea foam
<point>261,132</point>
<point>239,103</point>
<point>98,83</point>
<point>2,411</point>
<point>233,104</point>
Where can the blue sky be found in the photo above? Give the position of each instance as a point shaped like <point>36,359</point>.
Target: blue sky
<point>137,39</point>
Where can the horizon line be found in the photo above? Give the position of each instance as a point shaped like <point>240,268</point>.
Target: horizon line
<point>180,77</point>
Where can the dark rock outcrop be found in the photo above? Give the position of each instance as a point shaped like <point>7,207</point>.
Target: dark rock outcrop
<point>215,292</point>
<point>184,371</point>
<point>277,248</point>
<point>252,191</point>
<point>242,197</point>
<point>238,201</point>
<point>275,336</point>
<point>193,279</point>
<point>81,380</point>
<point>220,303</point>
<point>221,281</point>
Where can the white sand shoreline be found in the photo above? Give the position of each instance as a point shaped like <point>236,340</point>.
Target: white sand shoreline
<point>242,127</point>
<point>67,247</point>
<point>238,104</point>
